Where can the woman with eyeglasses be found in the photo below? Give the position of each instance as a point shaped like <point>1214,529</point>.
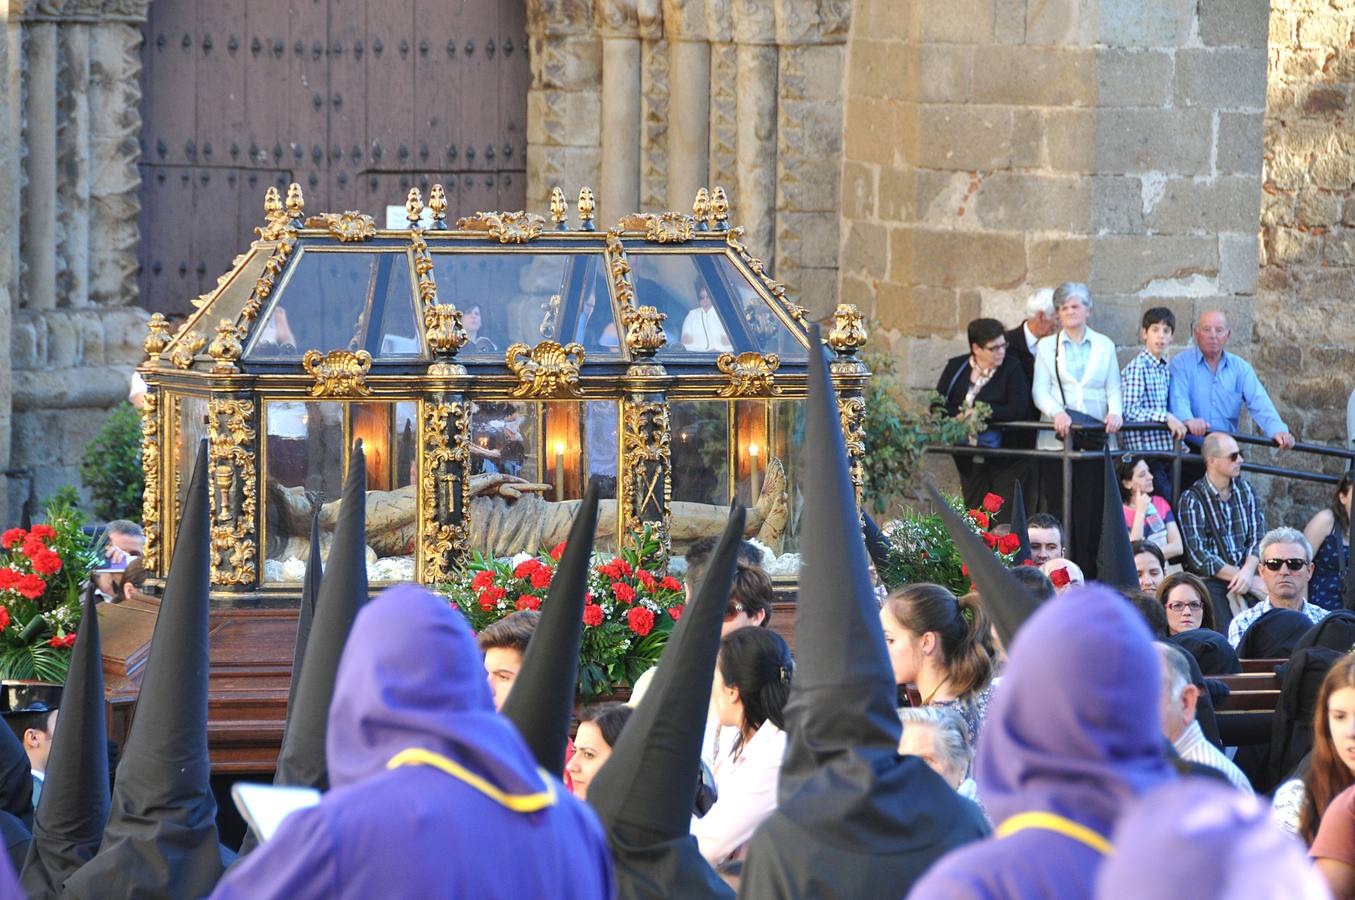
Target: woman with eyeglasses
<point>1147,516</point>
<point>935,643</point>
<point>1300,802</point>
<point>986,374</point>
<point>752,683</point>
<point>1185,600</point>
<point>1329,532</point>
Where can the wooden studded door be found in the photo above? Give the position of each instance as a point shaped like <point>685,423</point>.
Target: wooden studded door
<point>357,100</point>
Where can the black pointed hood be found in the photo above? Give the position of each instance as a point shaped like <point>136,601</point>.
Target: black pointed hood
<point>74,808</point>
<point>310,590</point>
<point>541,702</point>
<point>1005,600</point>
<point>1019,526</point>
<point>1114,558</point>
<point>161,838</point>
<point>644,793</point>
<point>342,592</point>
<point>854,819</point>
<point>16,778</point>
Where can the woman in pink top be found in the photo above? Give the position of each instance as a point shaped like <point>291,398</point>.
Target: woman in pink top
<point>1148,517</point>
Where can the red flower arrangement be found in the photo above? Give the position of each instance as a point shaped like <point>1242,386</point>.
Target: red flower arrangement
<point>625,626</point>
<point>921,549</point>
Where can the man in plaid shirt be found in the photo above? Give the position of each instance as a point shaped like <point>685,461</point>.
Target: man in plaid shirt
<point>1222,524</point>
<point>1144,384</point>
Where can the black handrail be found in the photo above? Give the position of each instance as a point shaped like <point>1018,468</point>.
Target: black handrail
<point>1067,455</point>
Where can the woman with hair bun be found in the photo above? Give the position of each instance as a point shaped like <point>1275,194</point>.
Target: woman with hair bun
<point>935,643</point>
<point>752,684</point>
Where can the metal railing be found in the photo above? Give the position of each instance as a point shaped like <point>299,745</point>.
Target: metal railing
<point>1067,456</point>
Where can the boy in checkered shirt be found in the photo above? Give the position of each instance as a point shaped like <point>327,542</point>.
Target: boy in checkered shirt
<point>1144,383</point>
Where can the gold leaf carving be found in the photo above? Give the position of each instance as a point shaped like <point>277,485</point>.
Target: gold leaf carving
<point>225,348</point>
<point>230,448</point>
<point>443,482</point>
<point>338,373</point>
<point>158,338</point>
<point>507,227</point>
<point>849,330</point>
<point>349,227</point>
<point>546,370</point>
<point>186,348</point>
<point>750,374</point>
<point>150,467</point>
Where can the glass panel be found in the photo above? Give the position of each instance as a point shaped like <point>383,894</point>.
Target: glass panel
<point>687,289</point>
<point>595,326</point>
<point>331,299</point>
<point>231,300</point>
<point>768,331</point>
<point>504,439</point>
<point>306,460</point>
<point>786,424</point>
<point>509,297</point>
<point>699,450</point>
<point>190,428</point>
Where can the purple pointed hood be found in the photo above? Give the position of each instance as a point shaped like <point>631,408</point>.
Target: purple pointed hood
<point>1074,726</point>
<point>411,675</point>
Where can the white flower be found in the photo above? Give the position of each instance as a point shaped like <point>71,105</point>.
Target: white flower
<point>294,569</point>
<point>519,559</point>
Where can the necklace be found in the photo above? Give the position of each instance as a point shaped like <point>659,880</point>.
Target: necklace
<point>942,683</point>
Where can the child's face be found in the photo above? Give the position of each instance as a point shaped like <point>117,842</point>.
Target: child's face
<point>1157,338</point>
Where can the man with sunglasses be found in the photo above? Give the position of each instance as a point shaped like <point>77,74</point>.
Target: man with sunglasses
<point>1286,566</point>
<point>1221,524</point>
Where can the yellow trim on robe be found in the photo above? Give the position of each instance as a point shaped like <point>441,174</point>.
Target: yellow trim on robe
<point>1048,821</point>
<point>522,803</point>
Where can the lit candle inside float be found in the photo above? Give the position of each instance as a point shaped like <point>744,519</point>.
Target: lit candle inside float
<point>559,470</point>
<point>752,470</point>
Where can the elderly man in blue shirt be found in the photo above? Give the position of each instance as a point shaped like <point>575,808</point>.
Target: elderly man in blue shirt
<point>1209,386</point>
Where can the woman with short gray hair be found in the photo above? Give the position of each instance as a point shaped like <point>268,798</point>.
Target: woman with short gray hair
<point>938,736</point>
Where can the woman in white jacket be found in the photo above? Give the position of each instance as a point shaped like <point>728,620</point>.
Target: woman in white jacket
<point>1076,370</point>
<point>752,683</point>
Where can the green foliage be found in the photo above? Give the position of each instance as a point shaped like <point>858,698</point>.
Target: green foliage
<point>897,433</point>
<point>35,662</point>
<point>921,549</point>
<point>111,467</point>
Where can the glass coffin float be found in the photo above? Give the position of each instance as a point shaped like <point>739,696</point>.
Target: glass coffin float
<point>493,372</point>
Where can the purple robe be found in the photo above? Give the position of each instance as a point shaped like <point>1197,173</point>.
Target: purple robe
<point>1073,731</point>
<point>412,677</point>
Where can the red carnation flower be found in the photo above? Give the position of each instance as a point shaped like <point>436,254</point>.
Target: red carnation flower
<point>44,531</point>
<point>4,618</point>
<point>558,552</point>
<point>482,580</point>
<point>527,601</point>
<point>62,642</point>
<point>1060,577</point>
<point>676,611</point>
<point>647,580</point>
<point>542,576</point>
<point>623,567</point>
<point>592,615</point>
<point>992,502</point>
<point>31,586</point>
<point>32,546</point>
<point>990,539</point>
<point>980,517</point>
<point>624,592</point>
<point>640,620</point>
<point>12,537</point>
<point>1009,543</point>
<point>526,568</point>
<point>47,563</point>
<point>8,579</point>
<point>486,602</point>
<point>670,583</point>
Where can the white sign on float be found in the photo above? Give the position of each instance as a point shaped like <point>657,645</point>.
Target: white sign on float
<point>397,218</point>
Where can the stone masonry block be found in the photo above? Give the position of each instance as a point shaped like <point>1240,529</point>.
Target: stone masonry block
<point>809,238</point>
<point>812,72</point>
<point>918,309</point>
<point>1035,76</point>
<point>865,250</point>
<point>1062,23</point>
<point>1335,173</point>
<point>955,21</point>
<point>1338,249</point>
<point>564,118</point>
<point>567,63</point>
<point>1225,78</point>
<point>1021,202</point>
<point>946,73</point>
<point>1069,140</point>
<point>817,291</point>
<point>964,137</point>
<point>881,68</point>
<point>898,195</point>
<point>1206,206</point>
<point>1134,78</point>
<point>1323,32</point>
<point>1117,316</point>
<point>1117,205</point>
<point>1129,264</point>
<point>969,260</point>
<point>897,18</point>
<point>1318,209</point>
<point>1134,23</point>
<point>858,190</point>
<point>1239,263</point>
<point>872,133</point>
<point>1054,260</point>
<point>1134,141</point>
<point>1234,23</point>
<point>1239,143</point>
<point>1009,21</point>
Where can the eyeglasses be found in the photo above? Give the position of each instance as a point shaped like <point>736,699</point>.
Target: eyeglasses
<point>994,348</point>
<point>1178,606</point>
<point>732,610</point>
<point>1235,456</point>
<point>1293,564</point>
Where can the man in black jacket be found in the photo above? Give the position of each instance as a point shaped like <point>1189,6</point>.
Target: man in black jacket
<point>1021,340</point>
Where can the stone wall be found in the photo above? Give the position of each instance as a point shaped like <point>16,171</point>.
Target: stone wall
<point>993,147</point>
<point>647,101</point>
<point>67,272</point>
<point>1306,300</point>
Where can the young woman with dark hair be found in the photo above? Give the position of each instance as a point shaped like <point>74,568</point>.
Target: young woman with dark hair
<point>599,729</point>
<point>1185,600</point>
<point>1300,802</point>
<point>1147,516</point>
<point>935,642</point>
<point>752,684</point>
<point>1329,532</point>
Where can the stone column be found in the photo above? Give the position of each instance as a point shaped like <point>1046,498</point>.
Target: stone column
<point>618,192</point>
<point>688,120</point>
<point>40,206</point>
<point>724,91</point>
<point>10,130</point>
<point>75,164</point>
<point>754,197</point>
<point>654,72</point>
